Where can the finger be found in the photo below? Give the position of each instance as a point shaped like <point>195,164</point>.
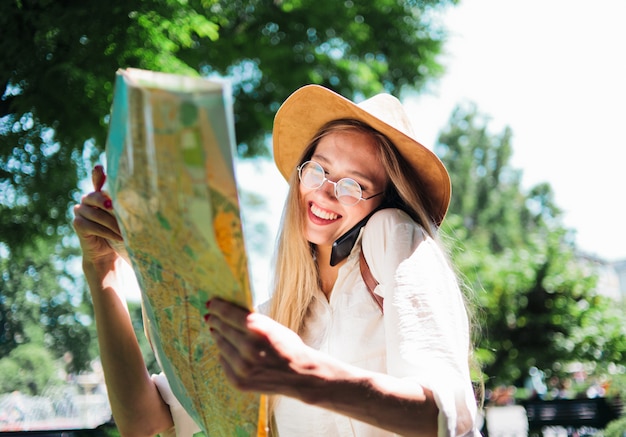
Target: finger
<point>90,220</point>
<point>230,313</point>
<point>244,349</point>
<point>233,376</point>
<point>93,207</point>
<point>243,371</point>
<point>257,374</point>
<point>243,340</point>
<point>87,229</point>
<point>242,380</point>
<point>98,199</point>
<point>98,177</point>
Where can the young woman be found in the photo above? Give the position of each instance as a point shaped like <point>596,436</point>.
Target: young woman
<point>336,358</point>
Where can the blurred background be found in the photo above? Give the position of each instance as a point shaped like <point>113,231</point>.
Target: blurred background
<point>522,100</point>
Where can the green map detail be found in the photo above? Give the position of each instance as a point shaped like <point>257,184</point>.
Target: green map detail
<point>163,221</point>
<point>189,251</point>
<point>192,153</point>
<point>168,313</point>
<point>188,113</point>
<point>199,353</point>
<point>199,300</point>
<point>155,271</point>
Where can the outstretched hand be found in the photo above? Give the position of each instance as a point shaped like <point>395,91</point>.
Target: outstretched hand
<point>257,353</point>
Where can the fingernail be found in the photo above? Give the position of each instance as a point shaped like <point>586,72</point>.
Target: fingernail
<point>208,304</point>
<point>207,317</point>
<point>108,204</point>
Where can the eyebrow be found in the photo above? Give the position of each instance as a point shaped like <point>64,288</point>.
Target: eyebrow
<point>354,174</point>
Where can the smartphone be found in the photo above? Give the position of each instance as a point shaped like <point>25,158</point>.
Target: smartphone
<point>344,244</point>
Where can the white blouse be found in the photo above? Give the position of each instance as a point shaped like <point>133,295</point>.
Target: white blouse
<point>423,334</point>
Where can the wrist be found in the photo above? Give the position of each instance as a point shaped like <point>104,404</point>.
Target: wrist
<point>101,272</point>
<point>326,380</point>
<point>100,266</point>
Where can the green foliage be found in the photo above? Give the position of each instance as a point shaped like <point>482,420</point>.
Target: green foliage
<point>487,193</point>
<point>10,376</point>
<point>600,335</point>
<point>109,430</point>
<point>56,86</point>
<point>57,73</point>
<point>42,303</point>
<point>356,48</point>
<point>616,428</point>
<point>28,369</point>
<point>617,386</point>
<point>536,299</point>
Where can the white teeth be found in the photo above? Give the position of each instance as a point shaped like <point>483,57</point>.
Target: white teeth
<point>323,214</point>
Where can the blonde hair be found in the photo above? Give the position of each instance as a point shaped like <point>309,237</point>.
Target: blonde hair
<point>296,278</point>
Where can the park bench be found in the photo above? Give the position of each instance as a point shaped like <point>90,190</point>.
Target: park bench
<point>571,414</point>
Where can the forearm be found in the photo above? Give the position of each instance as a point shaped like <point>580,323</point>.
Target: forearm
<point>397,405</point>
<point>258,354</point>
<point>375,402</point>
<point>135,402</point>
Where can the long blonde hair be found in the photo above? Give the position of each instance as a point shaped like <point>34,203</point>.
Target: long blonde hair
<point>296,277</point>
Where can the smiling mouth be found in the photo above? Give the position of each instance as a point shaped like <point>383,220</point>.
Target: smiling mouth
<point>323,214</point>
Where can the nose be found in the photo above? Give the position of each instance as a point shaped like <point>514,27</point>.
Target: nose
<point>325,188</point>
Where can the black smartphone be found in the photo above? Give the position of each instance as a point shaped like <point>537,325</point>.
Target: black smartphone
<point>344,244</point>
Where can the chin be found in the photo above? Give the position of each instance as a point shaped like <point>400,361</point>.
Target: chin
<point>318,240</point>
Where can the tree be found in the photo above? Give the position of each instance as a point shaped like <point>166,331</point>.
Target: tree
<point>57,74</point>
<point>28,368</point>
<point>536,299</point>
<point>56,86</point>
<point>42,302</point>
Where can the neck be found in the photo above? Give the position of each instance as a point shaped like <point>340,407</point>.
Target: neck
<point>328,273</point>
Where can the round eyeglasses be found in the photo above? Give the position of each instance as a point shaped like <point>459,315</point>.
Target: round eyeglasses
<point>347,191</point>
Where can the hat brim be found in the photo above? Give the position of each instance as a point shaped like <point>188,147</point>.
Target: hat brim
<point>309,108</point>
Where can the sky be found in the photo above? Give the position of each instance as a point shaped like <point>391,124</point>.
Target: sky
<point>554,71</point>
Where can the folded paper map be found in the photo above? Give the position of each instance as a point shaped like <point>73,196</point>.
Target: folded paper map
<point>170,167</point>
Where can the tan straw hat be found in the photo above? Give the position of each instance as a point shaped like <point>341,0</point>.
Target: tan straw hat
<point>312,106</point>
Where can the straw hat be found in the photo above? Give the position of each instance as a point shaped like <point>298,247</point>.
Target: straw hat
<point>312,106</point>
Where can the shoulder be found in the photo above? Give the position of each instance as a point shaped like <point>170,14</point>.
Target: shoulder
<point>399,251</point>
<point>392,226</point>
<point>389,238</point>
<point>390,216</point>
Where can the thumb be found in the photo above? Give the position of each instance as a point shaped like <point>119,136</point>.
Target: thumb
<point>98,177</point>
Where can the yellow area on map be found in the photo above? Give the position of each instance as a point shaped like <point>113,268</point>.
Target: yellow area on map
<point>171,178</point>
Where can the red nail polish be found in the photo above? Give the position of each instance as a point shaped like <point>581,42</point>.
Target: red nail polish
<point>207,317</point>
<point>108,204</point>
<point>208,304</point>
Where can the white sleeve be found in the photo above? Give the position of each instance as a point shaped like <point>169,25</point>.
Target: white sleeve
<point>426,324</point>
<point>184,425</point>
